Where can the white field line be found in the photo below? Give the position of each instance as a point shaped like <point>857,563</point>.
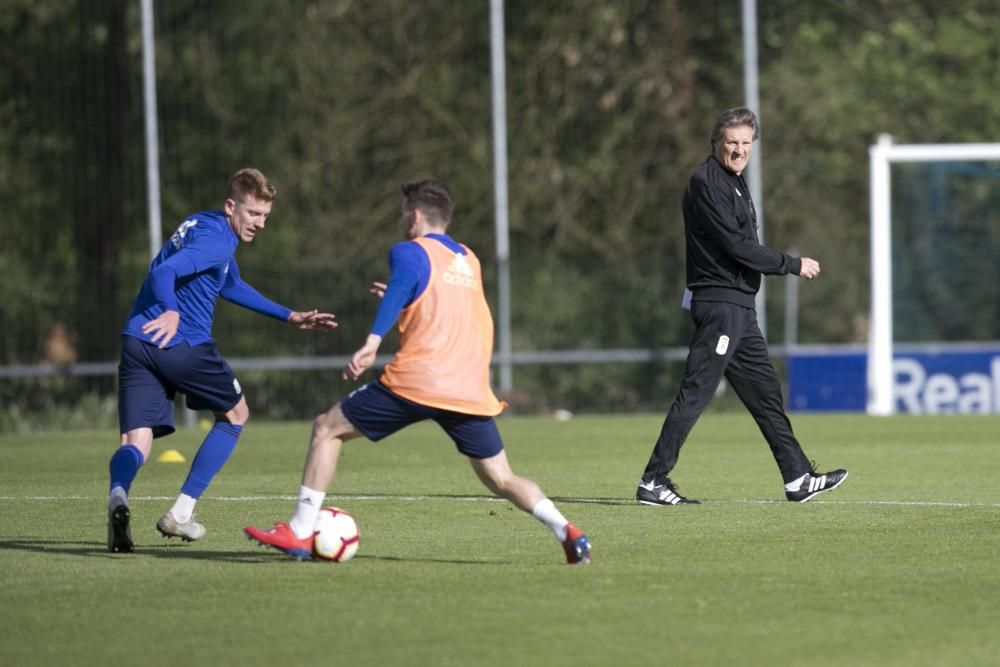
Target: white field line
<point>487,499</point>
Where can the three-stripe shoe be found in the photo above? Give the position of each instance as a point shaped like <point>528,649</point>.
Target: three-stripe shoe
<point>649,492</point>
<point>814,483</point>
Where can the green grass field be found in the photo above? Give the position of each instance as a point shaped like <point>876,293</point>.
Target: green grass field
<point>897,567</point>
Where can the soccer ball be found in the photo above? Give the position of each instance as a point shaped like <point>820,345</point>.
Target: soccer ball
<point>336,536</point>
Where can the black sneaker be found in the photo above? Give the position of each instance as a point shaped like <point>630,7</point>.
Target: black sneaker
<point>119,533</point>
<point>665,493</point>
<point>816,483</point>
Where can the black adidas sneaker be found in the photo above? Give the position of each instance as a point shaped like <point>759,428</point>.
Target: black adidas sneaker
<point>665,493</point>
<point>815,483</point>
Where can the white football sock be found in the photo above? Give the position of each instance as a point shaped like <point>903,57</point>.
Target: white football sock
<point>306,510</point>
<point>117,497</point>
<point>183,508</point>
<point>796,484</point>
<point>546,512</point>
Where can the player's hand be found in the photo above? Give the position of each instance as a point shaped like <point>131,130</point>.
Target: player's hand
<point>163,328</point>
<point>312,319</point>
<point>810,268</point>
<point>378,289</point>
<point>363,358</point>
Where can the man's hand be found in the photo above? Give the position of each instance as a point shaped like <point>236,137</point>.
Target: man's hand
<point>378,289</point>
<point>311,319</point>
<point>810,268</point>
<point>363,358</point>
<point>163,328</point>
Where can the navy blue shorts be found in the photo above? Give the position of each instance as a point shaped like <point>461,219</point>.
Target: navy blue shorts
<point>148,379</point>
<point>377,412</point>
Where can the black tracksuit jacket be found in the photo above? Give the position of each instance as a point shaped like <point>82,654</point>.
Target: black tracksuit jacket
<point>725,259</point>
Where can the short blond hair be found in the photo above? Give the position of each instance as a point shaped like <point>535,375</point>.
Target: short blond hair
<point>250,182</point>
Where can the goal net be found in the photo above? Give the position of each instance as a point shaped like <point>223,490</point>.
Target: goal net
<point>934,338</point>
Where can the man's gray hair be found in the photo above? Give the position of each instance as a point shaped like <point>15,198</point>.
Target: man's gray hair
<point>737,117</point>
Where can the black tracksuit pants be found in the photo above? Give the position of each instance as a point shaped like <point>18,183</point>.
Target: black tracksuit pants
<point>728,342</point>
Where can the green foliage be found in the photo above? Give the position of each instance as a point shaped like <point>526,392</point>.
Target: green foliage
<point>609,106</point>
<point>830,85</point>
<point>57,403</point>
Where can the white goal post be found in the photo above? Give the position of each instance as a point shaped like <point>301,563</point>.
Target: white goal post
<point>881,380</point>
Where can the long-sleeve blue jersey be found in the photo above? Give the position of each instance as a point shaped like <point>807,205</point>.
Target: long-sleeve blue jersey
<point>192,270</point>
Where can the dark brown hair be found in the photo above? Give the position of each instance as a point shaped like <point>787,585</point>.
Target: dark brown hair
<point>432,197</point>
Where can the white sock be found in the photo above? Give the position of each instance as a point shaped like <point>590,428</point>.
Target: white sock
<point>183,508</point>
<point>306,511</point>
<point>117,497</point>
<point>546,512</point>
<point>796,484</point>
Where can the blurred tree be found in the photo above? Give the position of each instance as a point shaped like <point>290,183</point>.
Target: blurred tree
<point>610,103</point>
<point>66,132</point>
<point>836,79</point>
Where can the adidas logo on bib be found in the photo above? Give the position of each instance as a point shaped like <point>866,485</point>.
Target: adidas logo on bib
<point>460,273</point>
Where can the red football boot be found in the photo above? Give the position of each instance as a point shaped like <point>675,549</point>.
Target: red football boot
<point>576,545</point>
<point>283,538</point>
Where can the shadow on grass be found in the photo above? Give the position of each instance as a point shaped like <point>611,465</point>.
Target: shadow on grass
<point>333,497</point>
<point>449,561</point>
<point>618,501</point>
<point>177,551</point>
<point>92,549</point>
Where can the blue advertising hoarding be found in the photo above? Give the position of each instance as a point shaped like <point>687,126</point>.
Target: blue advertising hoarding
<point>934,381</point>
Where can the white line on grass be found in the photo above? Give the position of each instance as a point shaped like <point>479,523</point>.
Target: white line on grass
<point>488,499</point>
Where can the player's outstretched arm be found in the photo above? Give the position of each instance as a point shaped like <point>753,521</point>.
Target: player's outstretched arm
<point>363,358</point>
<point>311,319</point>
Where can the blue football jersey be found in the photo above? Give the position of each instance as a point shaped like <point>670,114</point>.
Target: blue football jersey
<point>201,254</point>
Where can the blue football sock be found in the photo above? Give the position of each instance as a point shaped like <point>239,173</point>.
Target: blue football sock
<point>124,466</point>
<point>212,455</point>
